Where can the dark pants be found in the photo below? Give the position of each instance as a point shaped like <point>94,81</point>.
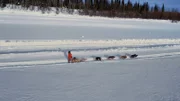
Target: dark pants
<point>69,60</point>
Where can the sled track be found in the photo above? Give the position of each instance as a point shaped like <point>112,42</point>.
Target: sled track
<point>24,64</point>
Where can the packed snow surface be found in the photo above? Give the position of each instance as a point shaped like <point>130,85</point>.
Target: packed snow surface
<point>33,63</point>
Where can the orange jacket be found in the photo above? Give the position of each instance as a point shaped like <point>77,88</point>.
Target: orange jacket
<point>69,56</point>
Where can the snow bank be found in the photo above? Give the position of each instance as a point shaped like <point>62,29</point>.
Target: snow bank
<point>26,46</point>
<point>122,42</point>
<point>14,9</point>
<point>34,10</point>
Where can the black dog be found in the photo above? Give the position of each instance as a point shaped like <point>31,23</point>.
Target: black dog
<point>133,56</point>
<point>97,58</point>
<point>110,57</point>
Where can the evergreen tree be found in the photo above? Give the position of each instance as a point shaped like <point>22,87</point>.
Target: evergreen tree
<point>136,7</point>
<point>66,3</point>
<point>123,5</point>
<point>156,8</point>
<point>129,6</point>
<point>146,7</point>
<point>162,9</point>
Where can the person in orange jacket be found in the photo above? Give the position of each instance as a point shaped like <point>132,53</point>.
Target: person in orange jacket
<point>69,57</point>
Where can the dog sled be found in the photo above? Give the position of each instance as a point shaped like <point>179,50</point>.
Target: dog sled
<point>76,60</point>
<point>98,58</point>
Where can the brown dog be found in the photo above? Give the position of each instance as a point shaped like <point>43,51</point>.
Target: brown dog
<point>123,57</point>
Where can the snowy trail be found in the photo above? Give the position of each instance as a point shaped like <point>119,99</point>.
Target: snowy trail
<point>15,53</point>
<point>7,65</point>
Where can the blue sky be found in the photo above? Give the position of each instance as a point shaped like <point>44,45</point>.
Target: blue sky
<point>168,3</point>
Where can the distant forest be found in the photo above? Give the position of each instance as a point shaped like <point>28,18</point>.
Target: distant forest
<point>105,8</point>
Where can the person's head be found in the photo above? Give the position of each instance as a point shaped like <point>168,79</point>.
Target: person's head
<point>69,51</point>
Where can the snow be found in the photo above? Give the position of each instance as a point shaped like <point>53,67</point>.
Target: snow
<point>129,80</point>
<point>33,66</point>
<point>26,24</point>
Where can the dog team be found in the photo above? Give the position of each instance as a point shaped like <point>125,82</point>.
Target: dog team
<point>72,59</point>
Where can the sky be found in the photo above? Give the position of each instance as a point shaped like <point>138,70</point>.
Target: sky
<point>169,4</point>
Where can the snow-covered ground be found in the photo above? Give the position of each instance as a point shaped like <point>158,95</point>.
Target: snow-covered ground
<point>33,66</point>
<point>127,80</point>
<point>28,25</point>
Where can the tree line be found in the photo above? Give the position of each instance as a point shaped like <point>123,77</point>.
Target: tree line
<point>106,8</point>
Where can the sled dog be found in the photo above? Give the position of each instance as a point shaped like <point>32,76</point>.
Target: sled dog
<point>123,57</point>
<point>110,57</point>
<point>97,58</point>
<point>133,56</point>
